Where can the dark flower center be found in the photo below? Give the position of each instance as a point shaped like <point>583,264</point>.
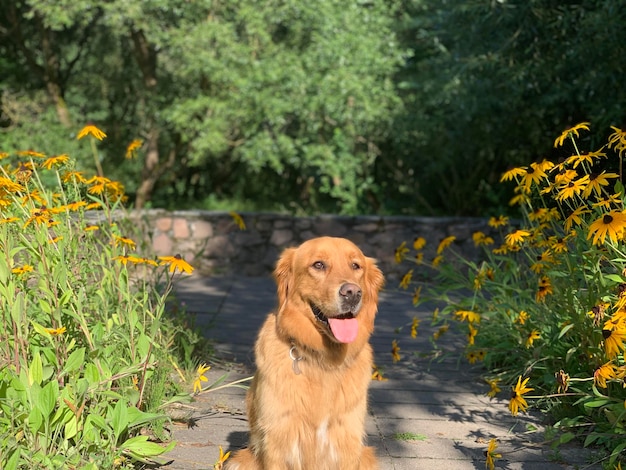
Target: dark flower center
<point>606,334</point>
<point>607,219</point>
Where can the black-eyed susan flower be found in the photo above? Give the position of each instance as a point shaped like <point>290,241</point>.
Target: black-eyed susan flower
<point>238,220</point>
<point>437,260</point>
<point>517,402</point>
<point>176,263</point>
<point>55,160</point>
<point>440,332</point>
<point>480,239</point>
<point>468,316</point>
<point>516,238</point>
<point>522,317</point>
<point>419,243</point>
<point>131,149</point>
<point>575,218</point>
<point>91,130</point>
<point>491,454</point>
<point>513,174</point>
<point>406,279</point>
<point>471,357</point>
<point>603,373</point>
<point>562,380</point>
<point>414,324</point>
<point>611,225</point>
<point>395,351</point>
<point>588,158</point>
<point>123,241</point>
<point>221,459</point>
<point>494,388</point>
<point>531,337</point>
<point>536,173</point>
<point>9,220</point>
<point>416,295</point>
<point>609,202</point>
<point>573,188</point>
<point>91,228</point>
<point>597,181</point>
<point>73,176</point>
<point>571,132</point>
<point>544,289</point>
<point>377,374</point>
<point>471,335</point>
<point>31,153</point>
<point>125,259</point>
<point>200,377</point>
<point>56,331</point>
<point>597,313</point>
<point>27,268</point>
<point>617,140</point>
<point>10,186</point>
<point>499,221</point>
<point>401,252</point>
<point>614,340</point>
<point>445,243</point>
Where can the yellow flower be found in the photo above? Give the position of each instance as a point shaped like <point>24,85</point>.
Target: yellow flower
<point>176,263</point>
<point>471,335</point>
<point>419,243</point>
<point>222,458</point>
<point>491,454</point>
<point>493,387</point>
<point>414,326</point>
<point>73,176</point>
<point>611,224</point>
<point>416,295</point>
<point>513,173</point>
<point>131,150</point>
<point>536,173</point>
<point>406,279</point>
<point>522,317</point>
<point>395,351</point>
<point>445,243</point>
<point>440,332</point>
<point>617,140</point>
<point>468,315</point>
<point>238,220</point>
<point>516,238</point>
<point>126,258</point>
<point>562,379</point>
<point>472,357</point>
<point>576,160</point>
<point>124,241</point>
<point>437,260</point>
<point>27,268</point>
<point>91,228</point>
<point>545,288</point>
<point>572,131</point>
<point>517,402</point>
<point>56,331</point>
<point>31,153</point>
<point>597,181</point>
<point>532,336</point>
<point>614,340</point>
<point>573,188</point>
<point>480,239</point>
<point>575,217</point>
<point>377,374</point>
<point>603,373</point>
<point>499,221</point>
<point>401,252</point>
<point>56,160</point>
<point>92,130</point>
<point>197,384</point>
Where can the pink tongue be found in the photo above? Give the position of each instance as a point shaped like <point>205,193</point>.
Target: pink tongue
<point>344,330</point>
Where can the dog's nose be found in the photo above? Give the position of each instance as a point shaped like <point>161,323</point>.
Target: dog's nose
<point>350,292</point>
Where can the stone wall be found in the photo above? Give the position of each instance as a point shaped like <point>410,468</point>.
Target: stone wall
<point>214,244</point>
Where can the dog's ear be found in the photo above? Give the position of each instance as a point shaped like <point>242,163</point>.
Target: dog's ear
<point>283,274</point>
<point>374,279</point>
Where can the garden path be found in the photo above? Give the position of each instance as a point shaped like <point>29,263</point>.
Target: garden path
<point>431,412</point>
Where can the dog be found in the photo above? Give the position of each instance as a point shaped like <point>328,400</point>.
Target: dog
<point>308,399</point>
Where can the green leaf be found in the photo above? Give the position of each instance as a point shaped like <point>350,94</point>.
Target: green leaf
<point>74,361</point>
<point>119,419</point>
<point>71,428</point>
<point>596,403</point>
<point>565,329</point>
<point>48,398</point>
<point>35,371</point>
<point>140,447</point>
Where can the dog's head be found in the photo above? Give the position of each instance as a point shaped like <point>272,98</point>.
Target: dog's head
<point>327,290</point>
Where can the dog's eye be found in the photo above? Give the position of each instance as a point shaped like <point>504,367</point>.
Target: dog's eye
<point>356,266</point>
<point>319,265</point>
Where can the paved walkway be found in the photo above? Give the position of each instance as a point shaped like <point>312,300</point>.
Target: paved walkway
<point>430,414</point>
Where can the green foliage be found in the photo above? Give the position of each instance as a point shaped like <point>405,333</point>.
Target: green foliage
<point>549,304</point>
<point>85,358</point>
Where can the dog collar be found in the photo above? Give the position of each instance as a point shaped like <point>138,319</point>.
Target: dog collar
<point>293,355</point>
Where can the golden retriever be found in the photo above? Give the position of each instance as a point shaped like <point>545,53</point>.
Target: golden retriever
<point>308,400</point>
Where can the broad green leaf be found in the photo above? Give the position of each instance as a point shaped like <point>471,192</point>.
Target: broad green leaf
<point>74,361</point>
<point>35,371</point>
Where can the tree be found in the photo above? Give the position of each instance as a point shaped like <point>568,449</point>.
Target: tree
<point>287,95</point>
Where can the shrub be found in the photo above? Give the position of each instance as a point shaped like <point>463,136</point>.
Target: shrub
<point>85,357</point>
<point>546,310</point>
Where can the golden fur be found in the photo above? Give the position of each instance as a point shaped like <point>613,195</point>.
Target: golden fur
<point>307,402</point>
